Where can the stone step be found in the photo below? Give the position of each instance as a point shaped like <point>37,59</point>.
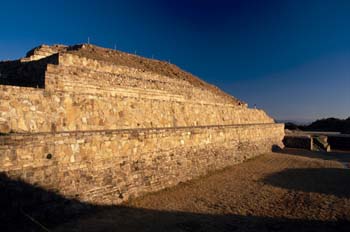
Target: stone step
<point>75,76</point>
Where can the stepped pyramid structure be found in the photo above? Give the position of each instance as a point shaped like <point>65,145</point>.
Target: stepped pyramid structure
<point>101,126</point>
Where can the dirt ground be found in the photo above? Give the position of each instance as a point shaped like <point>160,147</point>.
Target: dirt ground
<point>287,191</point>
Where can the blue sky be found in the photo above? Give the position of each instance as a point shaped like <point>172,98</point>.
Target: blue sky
<point>291,57</point>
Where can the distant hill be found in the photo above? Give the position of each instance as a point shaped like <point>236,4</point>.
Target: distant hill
<point>328,124</point>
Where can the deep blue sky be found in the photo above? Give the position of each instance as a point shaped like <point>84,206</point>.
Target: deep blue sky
<point>291,57</point>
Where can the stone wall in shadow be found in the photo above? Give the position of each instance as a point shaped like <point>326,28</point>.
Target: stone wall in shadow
<point>18,199</point>
<point>339,142</point>
<point>303,142</point>
<point>22,203</point>
<point>25,74</point>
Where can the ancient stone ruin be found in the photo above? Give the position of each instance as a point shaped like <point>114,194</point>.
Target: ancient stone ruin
<point>101,126</point>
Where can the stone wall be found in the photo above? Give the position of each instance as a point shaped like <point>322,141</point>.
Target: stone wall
<point>316,140</point>
<point>26,74</point>
<point>111,166</point>
<point>339,142</point>
<point>79,70</point>
<point>43,51</point>
<point>90,98</point>
<point>102,133</point>
<point>298,141</point>
<point>40,111</point>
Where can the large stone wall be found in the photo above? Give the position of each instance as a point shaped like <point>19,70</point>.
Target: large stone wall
<point>102,133</point>
<point>82,94</point>
<point>36,110</point>
<point>111,166</point>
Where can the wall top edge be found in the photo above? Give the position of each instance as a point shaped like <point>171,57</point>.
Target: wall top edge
<point>138,130</point>
<point>15,87</point>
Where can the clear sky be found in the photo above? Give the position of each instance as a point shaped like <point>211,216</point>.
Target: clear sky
<point>290,57</point>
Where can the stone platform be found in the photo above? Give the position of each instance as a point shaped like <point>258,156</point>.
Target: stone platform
<point>101,126</point>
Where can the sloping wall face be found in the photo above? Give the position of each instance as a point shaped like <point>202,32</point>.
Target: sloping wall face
<point>110,166</point>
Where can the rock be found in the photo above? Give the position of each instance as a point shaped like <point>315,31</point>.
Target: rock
<point>4,127</point>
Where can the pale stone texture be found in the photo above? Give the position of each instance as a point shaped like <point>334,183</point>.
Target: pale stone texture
<point>102,132</point>
<point>82,94</point>
<point>110,166</point>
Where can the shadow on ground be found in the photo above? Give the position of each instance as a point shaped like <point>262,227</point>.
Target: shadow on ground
<point>22,204</point>
<point>334,181</point>
<point>343,157</point>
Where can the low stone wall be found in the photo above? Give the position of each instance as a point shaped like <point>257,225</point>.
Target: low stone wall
<point>298,141</point>
<point>104,167</point>
<point>339,142</point>
<point>318,140</point>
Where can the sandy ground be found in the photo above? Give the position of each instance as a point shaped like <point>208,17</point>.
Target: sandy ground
<point>293,190</point>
